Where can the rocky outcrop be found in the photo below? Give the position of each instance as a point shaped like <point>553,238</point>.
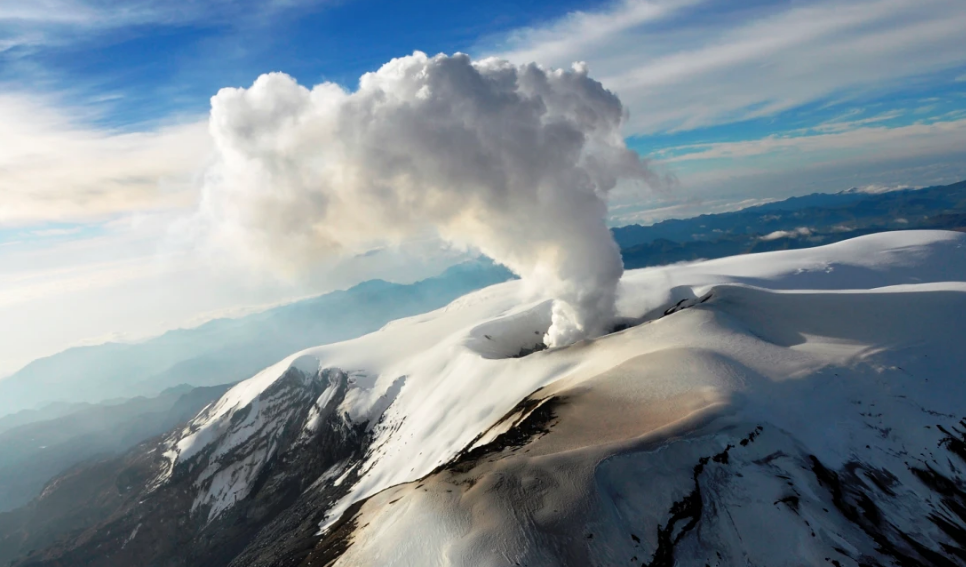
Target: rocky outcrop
<point>258,484</point>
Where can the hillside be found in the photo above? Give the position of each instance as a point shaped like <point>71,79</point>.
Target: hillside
<point>33,453</point>
<point>808,397</point>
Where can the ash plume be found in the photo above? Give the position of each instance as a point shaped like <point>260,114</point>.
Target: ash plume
<point>515,161</point>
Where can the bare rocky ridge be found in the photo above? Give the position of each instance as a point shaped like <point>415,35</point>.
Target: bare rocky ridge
<point>859,514</point>
<point>133,522</point>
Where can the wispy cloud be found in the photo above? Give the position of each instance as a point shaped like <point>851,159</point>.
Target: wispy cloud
<point>650,212</point>
<point>843,123</point>
<point>31,23</point>
<point>880,142</point>
<point>581,35</point>
<point>875,188</point>
<point>53,169</point>
<point>688,65</point>
<point>28,12</point>
<point>55,232</point>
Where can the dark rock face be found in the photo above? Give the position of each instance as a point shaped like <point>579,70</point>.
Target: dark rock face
<point>737,491</point>
<point>33,453</point>
<point>741,497</point>
<point>123,516</point>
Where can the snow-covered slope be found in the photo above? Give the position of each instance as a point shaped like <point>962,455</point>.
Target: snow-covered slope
<point>789,408</point>
<point>803,399</point>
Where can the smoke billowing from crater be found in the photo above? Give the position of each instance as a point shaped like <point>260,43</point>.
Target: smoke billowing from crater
<point>515,161</point>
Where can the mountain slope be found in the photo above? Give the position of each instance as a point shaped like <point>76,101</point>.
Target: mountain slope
<point>33,453</point>
<point>228,350</point>
<point>784,408</point>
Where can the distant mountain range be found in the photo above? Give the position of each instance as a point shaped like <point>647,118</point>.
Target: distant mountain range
<point>32,453</point>
<point>228,350</point>
<point>799,222</point>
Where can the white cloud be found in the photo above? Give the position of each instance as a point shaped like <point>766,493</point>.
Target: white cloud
<point>647,212</point>
<point>54,169</point>
<point>682,73</point>
<point>55,232</point>
<point>801,232</point>
<point>871,157</point>
<point>31,23</point>
<point>843,124</point>
<point>876,189</point>
<point>47,11</point>
<point>879,142</point>
<point>580,35</point>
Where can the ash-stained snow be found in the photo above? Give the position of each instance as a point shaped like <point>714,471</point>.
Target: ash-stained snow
<point>840,352</point>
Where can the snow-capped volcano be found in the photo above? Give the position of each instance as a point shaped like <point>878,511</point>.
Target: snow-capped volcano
<point>788,408</point>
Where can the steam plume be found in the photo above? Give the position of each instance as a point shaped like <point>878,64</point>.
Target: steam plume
<point>515,161</point>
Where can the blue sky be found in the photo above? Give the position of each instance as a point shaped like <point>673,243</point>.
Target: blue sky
<point>104,104</point>
<point>169,63</point>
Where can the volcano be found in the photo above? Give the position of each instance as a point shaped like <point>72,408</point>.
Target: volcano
<point>785,408</point>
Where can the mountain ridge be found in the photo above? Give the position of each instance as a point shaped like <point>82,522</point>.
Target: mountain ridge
<point>806,396</point>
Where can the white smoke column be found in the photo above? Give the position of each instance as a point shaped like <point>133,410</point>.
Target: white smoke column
<point>515,161</point>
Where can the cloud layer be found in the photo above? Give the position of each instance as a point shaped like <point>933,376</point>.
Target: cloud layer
<point>515,161</point>
<point>695,63</point>
<point>33,23</point>
<point>54,170</point>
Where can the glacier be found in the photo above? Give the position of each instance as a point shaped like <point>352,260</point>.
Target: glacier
<point>846,353</point>
<point>784,408</point>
